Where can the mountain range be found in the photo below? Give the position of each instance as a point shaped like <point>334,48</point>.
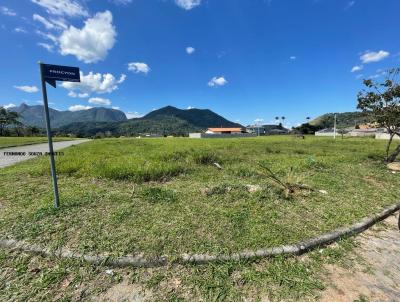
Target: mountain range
<point>165,121</point>
<point>34,116</point>
<point>168,120</point>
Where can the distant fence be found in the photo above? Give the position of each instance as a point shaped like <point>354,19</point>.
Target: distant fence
<point>324,134</point>
<point>385,136</point>
<point>206,135</point>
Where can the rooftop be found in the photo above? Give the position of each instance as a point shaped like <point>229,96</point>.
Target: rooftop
<point>225,129</point>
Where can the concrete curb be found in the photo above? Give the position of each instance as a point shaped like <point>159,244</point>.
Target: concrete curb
<point>141,261</point>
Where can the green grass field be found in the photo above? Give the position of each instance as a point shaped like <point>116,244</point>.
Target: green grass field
<point>165,196</point>
<point>20,141</point>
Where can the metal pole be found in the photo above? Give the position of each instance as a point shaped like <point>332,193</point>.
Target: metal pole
<point>49,137</point>
<point>334,128</point>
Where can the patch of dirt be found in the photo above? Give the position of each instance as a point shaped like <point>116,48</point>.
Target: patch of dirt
<point>378,278</point>
<point>125,292</point>
<point>394,166</point>
<point>373,181</point>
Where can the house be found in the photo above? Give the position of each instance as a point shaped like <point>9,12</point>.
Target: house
<point>266,129</point>
<point>224,131</point>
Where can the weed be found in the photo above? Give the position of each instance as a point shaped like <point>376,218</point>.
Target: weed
<point>157,194</point>
<point>361,298</point>
<point>205,158</point>
<point>290,185</point>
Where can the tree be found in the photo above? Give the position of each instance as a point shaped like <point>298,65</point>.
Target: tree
<point>33,130</point>
<point>277,119</point>
<point>12,120</point>
<point>283,119</point>
<point>307,128</point>
<point>3,120</point>
<point>382,102</point>
<point>342,132</point>
<point>9,118</point>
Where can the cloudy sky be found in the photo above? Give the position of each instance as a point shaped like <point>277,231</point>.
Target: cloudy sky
<point>247,60</point>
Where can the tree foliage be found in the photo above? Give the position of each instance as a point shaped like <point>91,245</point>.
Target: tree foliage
<point>9,119</point>
<point>382,102</point>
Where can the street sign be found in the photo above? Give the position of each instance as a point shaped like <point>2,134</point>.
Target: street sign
<point>51,74</point>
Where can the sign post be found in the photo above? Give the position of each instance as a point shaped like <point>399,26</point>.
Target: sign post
<point>51,74</point>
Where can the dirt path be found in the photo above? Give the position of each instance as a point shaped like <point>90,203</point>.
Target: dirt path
<point>7,160</point>
<point>378,279</point>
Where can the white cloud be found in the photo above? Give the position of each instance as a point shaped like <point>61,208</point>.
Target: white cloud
<point>217,81</point>
<point>189,108</point>
<point>79,108</point>
<point>100,101</point>
<point>357,68</point>
<point>47,36</point>
<point>95,83</point>
<point>46,46</point>
<point>379,73</point>
<point>11,105</point>
<point>91,43</point>
<point>44,21</point>
<point>20,30</point>
<point>135,114</point>
<point>190,50</point>
<point>73,94</point>
<point>139,67</point>
<point>70,8</point>
<point>115,107</point>
<point>7,11</point>
<point>293,58</point>
<point>372,56</point>
<point>60,23</point>
<point>29,89</point>
<point>188,4</point>
<point>258,120</point>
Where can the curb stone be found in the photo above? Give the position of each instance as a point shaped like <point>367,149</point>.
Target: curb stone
<point>141,261</point>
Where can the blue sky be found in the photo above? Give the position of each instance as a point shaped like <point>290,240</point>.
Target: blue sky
<point>244,59</point>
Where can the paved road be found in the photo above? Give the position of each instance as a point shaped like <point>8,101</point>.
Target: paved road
<point>7,160</point>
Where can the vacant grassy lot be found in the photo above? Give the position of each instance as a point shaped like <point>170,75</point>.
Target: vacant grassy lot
<point>166,196</point>
<point>19,141</point>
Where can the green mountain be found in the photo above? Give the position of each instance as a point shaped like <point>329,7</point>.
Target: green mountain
<point>199,118</point>
<point>165,121</point>
<point>34,116</point>
<point>344,120</point>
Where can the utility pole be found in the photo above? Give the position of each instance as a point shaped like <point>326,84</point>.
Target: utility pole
<point>334,128</point>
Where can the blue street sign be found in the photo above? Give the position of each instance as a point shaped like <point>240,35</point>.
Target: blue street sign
<point>53,73</point>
